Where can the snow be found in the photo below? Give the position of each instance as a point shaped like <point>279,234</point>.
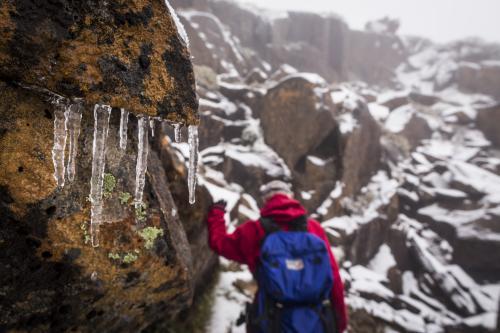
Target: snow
<point>347,123</point>
<point>338,96</point>
<point>224,104</point>
<point>306,195</point>
<point>313,78</point>
<point>336,193</point>
<point>180,27</point>
<point>399,117</point>
<point>378,112</point>
<point>222,193</point>
<point>227,310</point>
<point>477,178</point>
<point>382,261</point>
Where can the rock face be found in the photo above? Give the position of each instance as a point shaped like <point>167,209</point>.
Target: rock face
<point>480,78</point>
<point>124,53</point>
<point>294,98</point>
<point>487,121</point>
<point>234,39</point>
<point>150,260</point>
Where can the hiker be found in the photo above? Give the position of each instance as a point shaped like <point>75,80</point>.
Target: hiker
<point>300,289</point>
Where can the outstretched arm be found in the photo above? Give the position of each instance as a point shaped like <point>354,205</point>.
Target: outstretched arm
<point>236,246</point>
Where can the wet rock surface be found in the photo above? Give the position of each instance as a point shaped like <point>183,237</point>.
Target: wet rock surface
<point>52,278</point>
<point>123,53</point>
<point>149,261</point>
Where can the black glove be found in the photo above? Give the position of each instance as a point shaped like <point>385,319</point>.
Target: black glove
<point>221,204</point>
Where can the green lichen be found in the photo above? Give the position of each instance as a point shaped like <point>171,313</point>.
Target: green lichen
<point>141,212</point>
<point>149,235</point>
<point>124,197</point>
<point>109,185</point>
<point>86,235</point>
<point>130,257</point>
<point>114,256</point>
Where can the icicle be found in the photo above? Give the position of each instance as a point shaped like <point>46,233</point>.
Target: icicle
<point>123,129</point>
<point>73,115</point>
<point>101,126</point>
<point>142,160</point>
<point>59,143</point>
<point>152,126</point>
<point>193,162</point>
<point>177,133</point>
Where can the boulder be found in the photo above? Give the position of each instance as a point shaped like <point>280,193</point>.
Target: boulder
<point>481,78</point>
<point>416,130</point>
<point>292,123</point>
<point>128,54</point>
<point>423,99</point>
<point>149,260</point>
<point>487,121</point>
<point>360,151</point>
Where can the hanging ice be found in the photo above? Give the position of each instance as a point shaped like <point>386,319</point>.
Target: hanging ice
<point>193,161</point>
<point>123,129</point>
<point>152,126</point>
<point>59,143</point>
<point>177,133</point>
<point>101,126</point>
<point>73,115</point>
<point>142,160</point>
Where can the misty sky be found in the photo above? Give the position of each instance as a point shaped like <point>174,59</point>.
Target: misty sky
<point>440,20</point>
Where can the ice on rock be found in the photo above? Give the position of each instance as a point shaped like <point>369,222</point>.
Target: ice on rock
<point>59,143</point>
<point>101,126</point>
<point>73,118</point>
<point>123,129</point>
<point>193,161</point>
<point>152,126</point>
<point>177,133</point>
<point>180,28</point>
<point>142,160</point>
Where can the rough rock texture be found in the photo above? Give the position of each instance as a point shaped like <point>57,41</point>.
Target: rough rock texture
<point>294,98</point>
<point>487,121</point>
<point>481,78</point>
<point>125,53</point>
<point>51,277</point>
<point>361,151</point>
<point>327,47</point>
<point>416,130</point>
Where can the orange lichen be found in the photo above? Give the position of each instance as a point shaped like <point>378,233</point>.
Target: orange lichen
<point>78,61</point>
<point>25,157</point>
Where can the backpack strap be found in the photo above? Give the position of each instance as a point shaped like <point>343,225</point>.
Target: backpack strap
<point>269,226</point>
<point>299,224</point>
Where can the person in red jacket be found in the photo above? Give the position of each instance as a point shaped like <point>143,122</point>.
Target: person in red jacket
<point>243,245</point>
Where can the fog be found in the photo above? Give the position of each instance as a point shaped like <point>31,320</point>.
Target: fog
<point>440,20</point>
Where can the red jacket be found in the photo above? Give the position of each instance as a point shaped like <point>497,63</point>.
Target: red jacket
<point>243,245</point>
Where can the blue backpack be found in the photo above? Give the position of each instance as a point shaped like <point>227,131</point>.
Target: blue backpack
<point>295,281</point>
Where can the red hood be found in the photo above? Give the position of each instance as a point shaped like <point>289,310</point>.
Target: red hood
<point>281,208</point>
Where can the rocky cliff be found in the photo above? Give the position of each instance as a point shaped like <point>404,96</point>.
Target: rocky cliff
<point>96,230</point>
